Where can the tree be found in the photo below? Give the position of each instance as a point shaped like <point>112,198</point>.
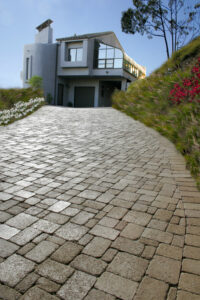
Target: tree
<point>173,20</point>
<point>35,82</point>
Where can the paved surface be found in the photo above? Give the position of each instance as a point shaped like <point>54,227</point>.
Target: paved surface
<point>95,206</point>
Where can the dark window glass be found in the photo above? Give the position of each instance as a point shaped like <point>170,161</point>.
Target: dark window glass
<point>27,68</point>
<point>109,57</point>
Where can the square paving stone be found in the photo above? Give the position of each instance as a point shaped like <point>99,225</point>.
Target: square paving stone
<point>46,226</point>
<point>117,212</point>
<point>182,295</point>
<point>4,216</point>
<point>82,217</point>
<point>138,218</point>
<point>14,269</point>
<point>132,231</point>
<point>56,218</point>
<point>5,196</point>
<point>89,264</point>
<point>128,196</point>
<point>105,198</point>
<point>7,293</point>
<point>165,269</point>
<point>27,282</point>
<point>97,247</point>
<point>54,270</point>
<point>169,251</point>
<point>157,235</point>
<point>163,215</point>
<point>47,285</point>
<point>37,294</point>
<point>129,266</point>
<point>21,221</point>
<point>25,236</point>
<point>106,232</point>
<point>191,266</point>
<point>77,286</point>
<point>7,248</point>
<point>88,194</point>
<point>24,194</point>
<point>98,295</point>
<point>118,286</point>
<point>41,251</point>
<point>6,232</point>
<point>59,206</point>
<point>151,289</point>
<point>127,245</point>
<point>71,231</point>
<point>67,252</point>
<point>190,283</point>
<point>109,222</point>
<point>70,211</point>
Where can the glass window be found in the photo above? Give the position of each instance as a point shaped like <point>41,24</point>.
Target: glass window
<point>79,54</point>
<point>101,64</point>
<point>109,63</point>
<point>118,53</point>
<point>27,68</point>
<point>72,54</point>
<point>102,53</point>
<point>110,53</point>
<point>118,63</point>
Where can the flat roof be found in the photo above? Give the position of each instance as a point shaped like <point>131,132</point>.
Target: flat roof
<point>84,36</point>
<point>44,25</point>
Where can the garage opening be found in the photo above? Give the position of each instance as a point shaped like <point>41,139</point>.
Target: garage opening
<point>84,96</point>
<point>106,89</point>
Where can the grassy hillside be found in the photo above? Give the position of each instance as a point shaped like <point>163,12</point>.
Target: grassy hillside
<point>169,101</point>
<point>8,97</point>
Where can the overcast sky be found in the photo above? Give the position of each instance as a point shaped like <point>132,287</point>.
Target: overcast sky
<point>18,19</point>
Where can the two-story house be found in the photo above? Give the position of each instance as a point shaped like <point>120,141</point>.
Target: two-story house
<point>81,70</point>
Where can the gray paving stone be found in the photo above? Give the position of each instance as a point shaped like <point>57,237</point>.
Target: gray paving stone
<point>7,248</point>
<point>71,232</point>
<point>97,247</point>
<point>117,212</point>
<point>151,289</point>
<point>82,217</point>
<point>106,232</point>
<point>165,269</point>
<point>66,252</point>
<point>137,217</point>
<point>8,294</point>
<point>132,231</point>
<point>98,295</point>
<point>27,282</point>
<point>56,218</point>
<point>41,251</point>
<point>108,222</point>
<point>105,198</point>
<point>25,236</point>
<point>14,269</point>
<point>127,245</point>
<point>5,196</point>
<point>59,206</point>
<point>77,287</point>
<point>118,286</point>
<point>158,235</point>
<point>4,216</point>
<point>54,271</point>
<point>88,194</point>
<point>89,264</point>
<point>47,285</point>
<point>128,266</point>
<point>6,232</point>
<point>190,283</point>
<point>37,294</point>
<point>46,226</point>
<point>21,221</point>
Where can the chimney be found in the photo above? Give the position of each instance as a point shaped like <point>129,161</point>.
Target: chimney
<point>45,33</point>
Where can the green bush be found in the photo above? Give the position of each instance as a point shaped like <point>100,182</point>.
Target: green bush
<point>147,100</point>
<point>35,82</point>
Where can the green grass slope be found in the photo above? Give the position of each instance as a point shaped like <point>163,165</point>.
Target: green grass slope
<point>8,97</point>
<point>148,101</point>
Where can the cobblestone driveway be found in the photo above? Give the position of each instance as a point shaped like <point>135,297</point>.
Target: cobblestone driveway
<point>95,206</point>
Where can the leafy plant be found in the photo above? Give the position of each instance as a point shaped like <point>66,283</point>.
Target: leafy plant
<point>35,82</point>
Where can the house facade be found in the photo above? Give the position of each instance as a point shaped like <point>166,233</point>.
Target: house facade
<point>81,70</point>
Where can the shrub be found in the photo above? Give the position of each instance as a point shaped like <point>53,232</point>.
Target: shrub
<point>35,82</point>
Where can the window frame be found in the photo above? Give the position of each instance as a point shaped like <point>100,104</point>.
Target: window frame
<point>76,51</point>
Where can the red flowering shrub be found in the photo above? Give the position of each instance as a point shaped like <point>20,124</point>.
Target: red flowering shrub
<point>189,89</point>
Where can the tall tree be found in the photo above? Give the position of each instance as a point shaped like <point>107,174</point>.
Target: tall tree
<point>176,21</point>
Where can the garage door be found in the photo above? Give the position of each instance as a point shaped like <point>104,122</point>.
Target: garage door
<point>84,96</point>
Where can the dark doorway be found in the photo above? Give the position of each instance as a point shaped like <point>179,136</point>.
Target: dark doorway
<point>60,93</point>
<point>84,96</point>
<point>106,90</point>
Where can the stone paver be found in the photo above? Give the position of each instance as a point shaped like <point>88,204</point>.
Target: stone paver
<point>94,205</point>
